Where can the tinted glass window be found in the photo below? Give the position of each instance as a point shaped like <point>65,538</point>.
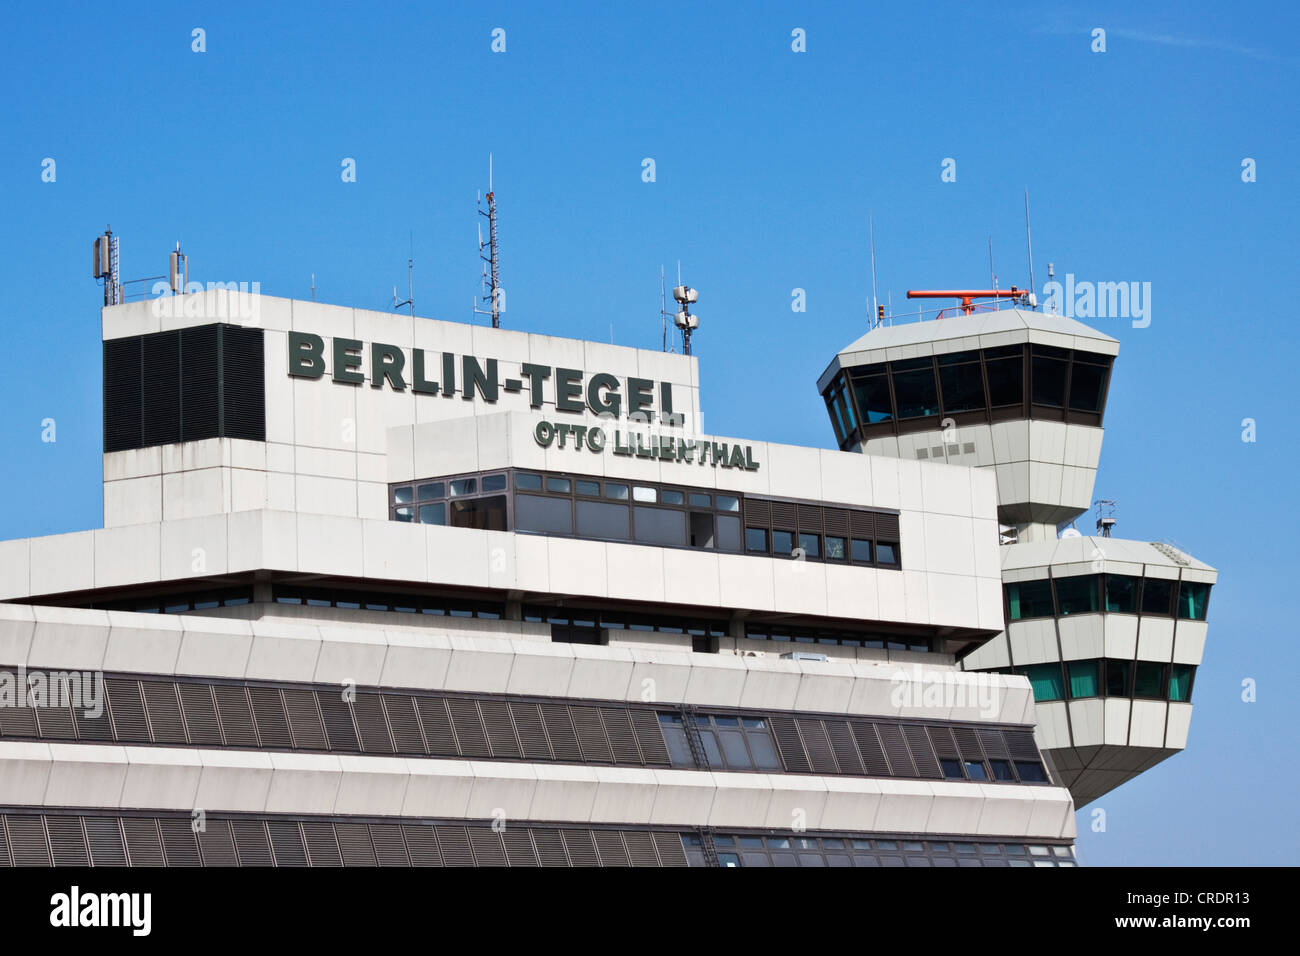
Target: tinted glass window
<point>670,496</point>
<point>1121,593</point>
<point>464,486</point>
<point>1156,596</point>
<point>437,489</point>
<point>1117,674</point>
<point>952,769</point>
<point>616,491</point>
<point>405,514</point>
<point>961,381</point>
<point>756,540</point>
<point>811,545</point>
<point>886,552</point>
<point>728,533</point>
<point>1087,382</point>
<point>1047,368</point>
<point>699,500</point>
<point>528,482</point>
<point>589,488</point>
<point>1002,770</point>
<point>558,485</point>
<point>1006,372</point>
<point>975,770</point>
<point>660,525</point>
<point>403,495</point>
<point>434,514</point>
<point>548,515</point>
<point>1077,595</point>
<point>1031,772</point>
<point>862,550</point>
<point>1046,681</point>
<point>782,542</point>
<point>601,519</point>
<point>1192,598</point>
<point>1084,679</point>
<point>1027,599</point>
<point>1180,682</point>
<point>1149,680</point>
<point>914,388</point>
<point>871,388</point>
<point>835,548</point>
<point>486,514</point>
<point>728,503</point>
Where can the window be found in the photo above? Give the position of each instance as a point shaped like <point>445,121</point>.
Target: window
<point>403,494</point>
<point>1006,372</point>
<point>464,486</point>
<point>728,533</point>
<point>728,503</point>
<point>602,519</point>
<point>1087,385</point>
<point>671,496</point>
<point>961,381</point>
<point>1192,598</point>
<point>1117,678</point>
<point>615,491</point>
<point>701,500</point>
<point>404,514</point>
<point>951,769</point>
<point>558,485</point>
<point>434,514</point>
<point>1180,682</point>
<point>1149,680</point>
<point>528,482</point>
<point>886,552</point>
<point>1076,595</point>
<point>835,548</point>
<point>544,515</point>
<point>485,514</point>
<point>914,388</point>
<point>862,551</point>
<point>1084,678</point>
<point>810,545</point>
<point>1002,770</point>
<point>1157,596</point>
<point>438,489</point>
<point>975,770</point>
<point>642,493</point>
<point>1121,593</point>
<point>701,525</point>
<point>871,389</point>
<point>1048,368</point>
<point>1045,679</point>
<point>663,526</point>
<point>1028,599</point>
<point>589,488</point>
<point>756,540</point>
<point>1031,771</point>
<point>782,543</point>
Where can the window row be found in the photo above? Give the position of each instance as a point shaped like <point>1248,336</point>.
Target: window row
<point>579,626</point>
<point>118,839</point>
<point>996,384</point>
<point>180,603</point>
<point>782,633</point>
<point>1108,677</point>
<point>403,603</point>
<point>258,716</point>
<point>650,513</point>
<point>1109,593</point>
<point>800,850</point>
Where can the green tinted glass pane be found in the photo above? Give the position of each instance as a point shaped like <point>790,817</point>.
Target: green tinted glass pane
<point>1192,597</point>
<point>1180,682</point>
<point>1045,679</point>
<point>1077,595</point>
<point>1121,593</point>
<point>528,482</point>
<point>1117,673</point>
<point>871,389</point>
<point>1084,680</point>
<point>1027,599</point>
<point>1156,596</point>
<point>914,388</point>
<point>1149,680</point>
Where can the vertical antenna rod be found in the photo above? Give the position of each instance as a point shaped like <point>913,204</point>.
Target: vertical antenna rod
<point>1029,238</point>
<point>875,310</point>
<point>992,275</point>
<point>663,308</point>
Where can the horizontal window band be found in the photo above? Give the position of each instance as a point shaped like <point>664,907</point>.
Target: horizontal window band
<point>143,710</point>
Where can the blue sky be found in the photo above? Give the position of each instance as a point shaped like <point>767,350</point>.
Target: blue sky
<point>768,164</point>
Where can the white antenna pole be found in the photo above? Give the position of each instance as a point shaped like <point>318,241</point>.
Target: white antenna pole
<point>489,172</point>
<point>1029,239</point>
<point>875,311</point>
<point>992,275</point>
<point>663,308</point>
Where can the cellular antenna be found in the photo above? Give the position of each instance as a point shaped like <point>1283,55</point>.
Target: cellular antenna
<point>685,320</point>
<point>1029,239</point>
<point>492,261</point>
<point>107,268</point>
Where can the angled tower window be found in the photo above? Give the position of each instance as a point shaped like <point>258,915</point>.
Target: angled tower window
<point>1048,369</point>
<point>1088,382</point>
<point>1192,598</point>
<point>1006,371</point>
<point>1077,595</point>
<point>1026,599</point>
<point>1045,679</point>
<point>962,382</point>
<point>914,388</point>
<point>871,389</point>
<point>1121,594</point>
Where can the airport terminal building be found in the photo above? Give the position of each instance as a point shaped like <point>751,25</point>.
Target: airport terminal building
<point>375,589</point>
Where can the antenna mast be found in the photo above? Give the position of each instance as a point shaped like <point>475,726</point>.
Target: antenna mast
<point>663,308</point>
<point>1029,238</point>
<point>875,309</point>
<point>492,261</point>
<point>686,320</point>
<point>106,267</point>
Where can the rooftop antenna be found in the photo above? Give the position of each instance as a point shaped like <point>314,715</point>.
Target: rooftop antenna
<point>492,261</point>
<point>1029,240</point>
<point>876,317</point>
<point>663,308</point>
<point>106,266</point>
<point>178,271</point>
<point>410,288</point>
<point>1105,515</point>
<point>992,275</point>
<point>1051,277</point>
<point>685,319</point>
<point>313,287</point>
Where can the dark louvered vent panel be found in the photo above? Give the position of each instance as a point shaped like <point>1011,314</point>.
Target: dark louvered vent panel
<point>968,743</point>
<point>18,722</point>
<point>1021,744</point>
<point>162,389</point>
<point>758,512</point>
<point>404,723</point>
<point>591,734</point>
<point>322,844</point>
<point>486,844</point>
<point>873,755</point>
<point>532,735</point>
<point>422,845</point>
<point>622,740</point>
<point>199,381</point>
<point>27,839</point>
<point>180,843</point>
<point>670,849</point>
<point>268,710</point>
<point>6,859</point>
<point>200,714</point>
<point>437,726</point>
<point>164,712</point>
<point>817,746</point>
<point>784,515</point>
<point>93,728</point>
<point>640,848</point>
<point>550,847</point>
<point>918,742</point>
<point>337,714</point>
<point>887,527</point>
<point>455,846</point>
<point>56,723</point>
<point>236,716</point>
<point>650,737</point>
<point>252,843</point>
<point>304,719</point>
<point>369,710</point>
<point>286,842</point>
<point>128,711</point>
<point>862,523</point>
<point>67,841</point>
<point>837,521</point>
<point>994,744</point>
<point>355,845</point>
<point>217,844</point>
<point>469,728</point>
<point>609,844</point>
<point>244,384</point>
<point>142,842</point>
<point>581,847</point>
<point>944,747</point>
<point>122,410</point>
<point>559,728</point>
<point>390,848</point>
<point>519,846</point>
<point>500,728</point>
<point>900,763</point>
<point>105,837</point>
<point>810,519</point>
<point>846,752</point>
<point>791,747</point>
